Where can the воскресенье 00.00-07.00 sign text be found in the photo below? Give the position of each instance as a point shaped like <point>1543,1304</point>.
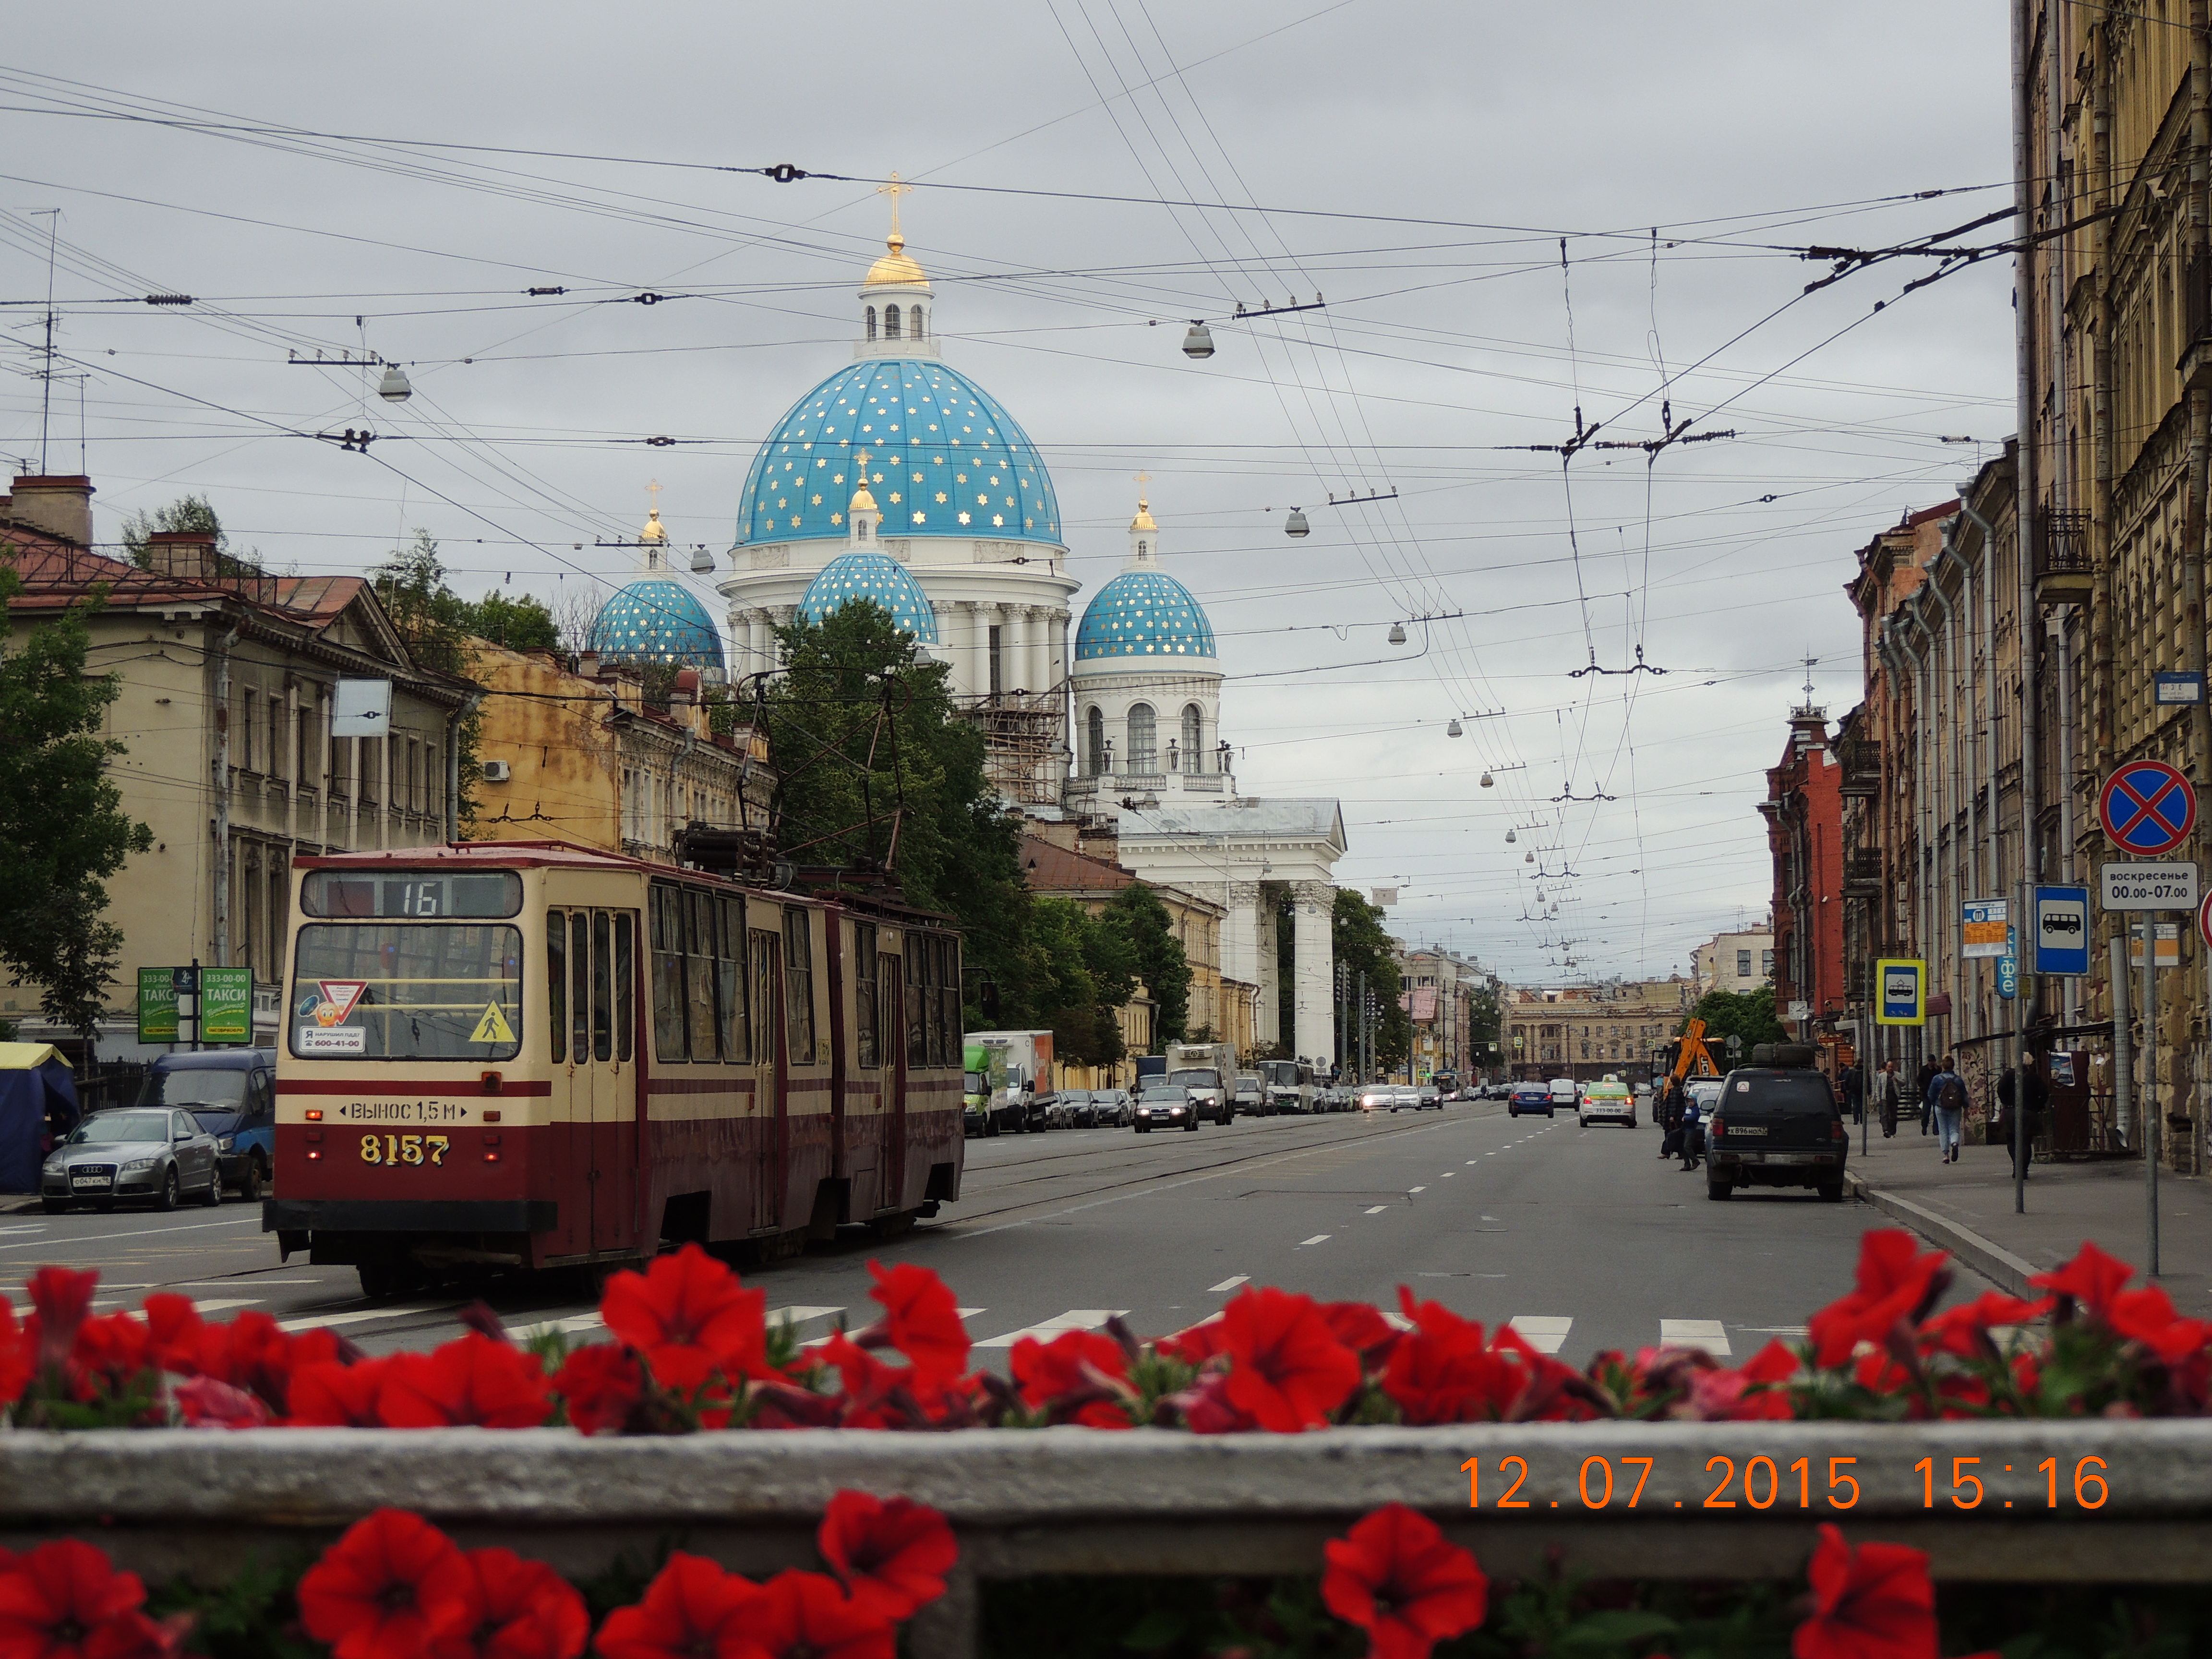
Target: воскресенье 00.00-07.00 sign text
<point>2168,885</point>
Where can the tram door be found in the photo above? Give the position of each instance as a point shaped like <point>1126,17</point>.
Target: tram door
<point>891,980</point>
<point>771,1109</point>
<point>595,1126</point>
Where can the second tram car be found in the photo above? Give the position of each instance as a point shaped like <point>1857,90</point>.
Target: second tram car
<point>533,1055</point>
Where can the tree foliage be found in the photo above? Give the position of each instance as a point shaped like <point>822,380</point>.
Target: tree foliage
<point>186,513</point>
<point>1363,947</point>
<point>867,746</point>
<point>1748,1015</point>
<point>1156,956</point>
<point>63,832</point>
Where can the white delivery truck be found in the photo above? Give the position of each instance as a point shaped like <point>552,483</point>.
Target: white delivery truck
<point>1023,1099</point>
<point>1208,1070</point>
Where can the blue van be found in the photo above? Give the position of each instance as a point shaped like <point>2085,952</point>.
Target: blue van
<point>233,1094</point>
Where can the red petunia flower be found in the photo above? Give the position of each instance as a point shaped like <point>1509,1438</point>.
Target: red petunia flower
<point>17,1348</point>
<point>2146,1317</point>
<point>473,1379</point>
<point>1076,1366</point>
<point>2092,1278</point>
<point>65,1601</point>
<point>1965,1330</point>
<point>1288,1370</point>
<point>252,1353</point>
<point>1441,1372</point>
<point>692,1610</point>
<point>394,1588</point>
<point>1894,1282</point>
<point>688,1318</point>
<point>174,1327</point>
<point>1872,1603</point>
<point>1360,1327</point>
<point>519,1609</point>
<point>921,1320</point>
<point>62,1298</point>
<point>807,1615</point>
<point>1194,1346</point>
<point>893,1556</point>
<point>208,1403</point>
<point>327,1395</point>
<point>1207,1409</point>
<point>1751,1394</point>
<point>603,1384</point>
<point>110,1351</point>
<point>1399,1580</point>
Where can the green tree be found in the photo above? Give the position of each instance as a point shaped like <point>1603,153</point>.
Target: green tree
<point>1361,945</point>
<point>63,832</point>
<point>1155,956</point>
<point>521,624</point>
<point>867,742</point>
<point>1748,1015</point>
<point>186,513</point>
<point>1085,974</point>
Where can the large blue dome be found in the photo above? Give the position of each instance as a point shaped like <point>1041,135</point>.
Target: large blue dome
<point>943,459</point>
<point>1144,613</point>
<point>657,620</point>
<point>875,576</point>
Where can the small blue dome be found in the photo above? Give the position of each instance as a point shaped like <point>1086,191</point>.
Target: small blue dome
<point>657,620</point>
<point>1144,613</point>
<point>875,576</point>
<point>945,458</point>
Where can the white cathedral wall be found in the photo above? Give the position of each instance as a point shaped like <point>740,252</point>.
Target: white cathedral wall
<point>1113,693</point>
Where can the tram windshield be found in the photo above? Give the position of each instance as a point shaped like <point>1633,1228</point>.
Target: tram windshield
<point>407,990</point>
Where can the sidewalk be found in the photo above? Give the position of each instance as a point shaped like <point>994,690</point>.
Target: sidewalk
<point>1966,1208</point>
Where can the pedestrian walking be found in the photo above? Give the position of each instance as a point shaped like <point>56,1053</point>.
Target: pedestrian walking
<point>1888,1087</point>
<point>2014,1096</point>
<point>1947,1094</point>
<point>1854,1099</point>
<point>1925,1094</point>
<point>1670,1120</point>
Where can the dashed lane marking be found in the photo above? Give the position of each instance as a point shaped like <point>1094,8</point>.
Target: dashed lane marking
<point>1545,1333</point>
<point>1377,1209</point>
<point>1707,1333</point>
<point>1075,1319</point>
<point>1229,1284</point>
<point>1417,1189</point>
<point>322,1322</point>
<point>1318,1238</point>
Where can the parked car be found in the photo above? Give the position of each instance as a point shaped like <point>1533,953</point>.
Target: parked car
<point>1608,1100</point>
<point>1114,1107</point>
<point>1529,1097</point>
<point>230,1094</point>
<point>1165,1106</point>
<point>1777,1126</point>
<point>132,1154</point>
<point>1076,1106</point>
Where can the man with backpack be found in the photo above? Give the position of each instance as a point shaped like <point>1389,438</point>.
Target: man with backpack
<point>1947,1091</point>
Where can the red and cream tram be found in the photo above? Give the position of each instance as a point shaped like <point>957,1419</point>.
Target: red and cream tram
<point>529,1054</point>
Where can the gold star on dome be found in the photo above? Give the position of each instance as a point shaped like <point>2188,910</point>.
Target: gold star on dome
<point>940,498</point>
<point>964,518</point>
<point>816,502</point>
<point>960,477</point>
<point>982,501</point>
<point>836,518</point>
<point>895,498</point>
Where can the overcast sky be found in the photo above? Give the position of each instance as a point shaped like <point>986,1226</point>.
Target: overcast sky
<point>1417,165</point>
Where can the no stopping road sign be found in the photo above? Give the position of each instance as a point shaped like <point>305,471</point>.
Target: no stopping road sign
<point>2148,808</point>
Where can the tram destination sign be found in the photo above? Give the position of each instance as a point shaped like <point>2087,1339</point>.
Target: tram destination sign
<point>2167,884</point>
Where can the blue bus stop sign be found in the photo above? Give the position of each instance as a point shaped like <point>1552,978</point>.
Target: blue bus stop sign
<point>2058,940</point>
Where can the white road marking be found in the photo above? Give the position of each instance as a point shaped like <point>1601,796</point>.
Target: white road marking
<point>1470,1161</point>
<point>1377,1209</point>
<point>1777,1330</point>
<point>800,1314</point>
<point>1449,1174</point>
<point>151,1234</point>
<point>321,1321</point>
<point>969,1313</point>
<point>1545,1333</point>
<point>1318,1238</point>
<point>1417,1189</point>
<point>1075,1319</point>
<point>1396,1322</point>
<point>1707,1333</point>
<point>1229,1283</point>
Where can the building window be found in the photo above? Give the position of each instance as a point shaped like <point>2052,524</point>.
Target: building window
<point>890,322</point>
<point>859,527</point>
<point>1743,964</point>
<point>1143,736</point>
<point>1094,740</point>
<point>1194,734</point>
<point>243,759</point>
<point>871,322</point>
<point>1766,963</point>
<point>914,323</point>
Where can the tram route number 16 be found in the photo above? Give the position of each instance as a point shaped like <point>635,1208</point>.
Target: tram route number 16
<point>405,1150</point>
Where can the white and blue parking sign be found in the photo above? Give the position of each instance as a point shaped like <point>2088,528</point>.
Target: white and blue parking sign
<point>2061,939</point>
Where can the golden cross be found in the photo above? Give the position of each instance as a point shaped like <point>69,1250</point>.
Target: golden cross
<point>863,468</point>
<point>655,488</point>
<point>897,188</point>
<point>1143,478</point>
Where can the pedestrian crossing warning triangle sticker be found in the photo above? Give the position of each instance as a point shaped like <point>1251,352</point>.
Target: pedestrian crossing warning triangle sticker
<point>493,1027</point>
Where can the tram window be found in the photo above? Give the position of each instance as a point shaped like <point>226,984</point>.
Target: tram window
<point>579,994</point>
<point>799,983</point>
<point>948,983</point>
<point>625,980</point>
<point>441,990</point>
<point>603,998</point>
<point>865,991</point>
<point>763,1003</point>
<point>917,999</point>
<point>730,981</point>
<point>556,984</point>
<point>668,1043</point>
<point>699,949</point>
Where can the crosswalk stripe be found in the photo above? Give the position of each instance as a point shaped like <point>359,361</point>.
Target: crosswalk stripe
<point>1707,1333</point>
<point>1545,1333</point>
<point>323,1321</point>
<point>1075,1319</point>
<point>799,1316</point>
<point>1229,1283</point>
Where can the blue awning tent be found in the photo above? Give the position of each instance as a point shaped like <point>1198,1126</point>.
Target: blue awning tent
<point>35,1081</point>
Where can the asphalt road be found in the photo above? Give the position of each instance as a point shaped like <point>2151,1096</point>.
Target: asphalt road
<point>1584,1237</point>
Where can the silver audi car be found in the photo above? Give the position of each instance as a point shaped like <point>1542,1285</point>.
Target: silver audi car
<point>131,1155</point>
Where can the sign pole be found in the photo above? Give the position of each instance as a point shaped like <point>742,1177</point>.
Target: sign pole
<point>2023,996</point>
<point>2147,1094</point>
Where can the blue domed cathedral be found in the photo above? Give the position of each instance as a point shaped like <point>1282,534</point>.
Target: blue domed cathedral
<point>898,479</point>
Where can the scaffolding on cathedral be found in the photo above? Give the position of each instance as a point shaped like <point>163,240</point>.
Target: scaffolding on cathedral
<point>1022,750</point>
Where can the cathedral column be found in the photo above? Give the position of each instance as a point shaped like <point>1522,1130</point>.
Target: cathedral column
<point>1313,967</point>
<point>1017,676</point>
<point>1240,953</point>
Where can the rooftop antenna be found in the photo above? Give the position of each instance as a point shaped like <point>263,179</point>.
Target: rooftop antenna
<point>46,391</point>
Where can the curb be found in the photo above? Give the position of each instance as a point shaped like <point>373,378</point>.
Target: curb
<point>1993,1262</point>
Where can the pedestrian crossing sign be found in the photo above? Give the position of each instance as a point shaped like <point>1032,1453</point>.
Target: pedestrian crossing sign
<point>493,1027</point>
<point>1900,991</point>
